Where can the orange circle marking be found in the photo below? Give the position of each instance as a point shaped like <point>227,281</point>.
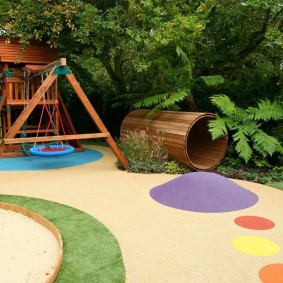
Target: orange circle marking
<point>254,222</point>
<point>272,273</point>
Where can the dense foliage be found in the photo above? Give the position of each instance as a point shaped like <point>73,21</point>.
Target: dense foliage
<point>245,125</point>
<point>162,54</point>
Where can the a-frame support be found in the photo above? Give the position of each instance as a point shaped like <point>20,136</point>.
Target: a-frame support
<point>54,69</point>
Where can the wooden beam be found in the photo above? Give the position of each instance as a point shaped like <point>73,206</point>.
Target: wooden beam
<point>49,67</point>
<point>36,131</point>
<point>55,138</point>
<point>96,119</point>
<point>33,68</point>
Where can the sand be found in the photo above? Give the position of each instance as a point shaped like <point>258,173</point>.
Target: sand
<point>29,251</point>
<point>158,243</point>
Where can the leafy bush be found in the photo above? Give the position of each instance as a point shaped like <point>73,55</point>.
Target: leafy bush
<point>259,171</point>
<point>245,126</point>
<point>226,170</point>
<point>145,153</point>
<point>174,167</point>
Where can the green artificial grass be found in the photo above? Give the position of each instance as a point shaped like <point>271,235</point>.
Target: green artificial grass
<point>90,254</point>
<point>277,185</point>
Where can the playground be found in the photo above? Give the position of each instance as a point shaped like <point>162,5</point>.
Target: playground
<point>111,225</point>
<point>157,242</point>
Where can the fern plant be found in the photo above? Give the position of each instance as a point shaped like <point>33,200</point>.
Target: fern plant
<point>244,126</point>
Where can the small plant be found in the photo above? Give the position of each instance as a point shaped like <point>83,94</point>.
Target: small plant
<point>145,153</point>
<point>251,176</point>
<point>174,167</point>
<point>262,163</point>
<point>226,170</point>
<point>258,170</point>
<point>264,180</point>
<point>275,176</point>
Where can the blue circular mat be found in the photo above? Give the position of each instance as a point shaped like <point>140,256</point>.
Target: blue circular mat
<point>53,162</point>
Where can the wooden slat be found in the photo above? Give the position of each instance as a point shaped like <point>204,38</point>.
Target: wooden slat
<point>56,138</point>
<point>33,68</point>
<point>36,131</point>
<point>25,102</point>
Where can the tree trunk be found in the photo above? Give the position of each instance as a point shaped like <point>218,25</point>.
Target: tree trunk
<point>116,73</point>
<point>190,101</point>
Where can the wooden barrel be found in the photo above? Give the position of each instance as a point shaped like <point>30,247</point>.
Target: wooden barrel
<point>185,133</point>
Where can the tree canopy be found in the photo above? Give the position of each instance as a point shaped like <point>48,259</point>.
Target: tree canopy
<point>160,52</point>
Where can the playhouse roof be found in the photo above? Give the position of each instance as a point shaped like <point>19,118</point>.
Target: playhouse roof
<point>12,51</point>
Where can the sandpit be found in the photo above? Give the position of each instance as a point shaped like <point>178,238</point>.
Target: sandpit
<point>31,246</point>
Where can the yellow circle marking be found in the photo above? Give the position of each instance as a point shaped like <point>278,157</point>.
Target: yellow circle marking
<point>257,246</point>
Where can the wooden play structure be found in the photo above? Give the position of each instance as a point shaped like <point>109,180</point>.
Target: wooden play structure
<point>28,86</point>
<point>185,134</point>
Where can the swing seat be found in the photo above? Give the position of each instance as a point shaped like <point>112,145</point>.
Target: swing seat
<point>51,150</point>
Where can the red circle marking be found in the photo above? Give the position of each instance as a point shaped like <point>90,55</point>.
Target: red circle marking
<point>254,222</point>
<point>272,273</point>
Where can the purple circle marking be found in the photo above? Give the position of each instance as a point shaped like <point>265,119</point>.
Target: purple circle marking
<point>204,192</point>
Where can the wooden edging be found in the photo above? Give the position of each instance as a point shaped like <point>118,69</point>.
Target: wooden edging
<point>48,225</point>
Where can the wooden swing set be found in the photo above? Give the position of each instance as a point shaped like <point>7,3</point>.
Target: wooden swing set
<point>25,95</point>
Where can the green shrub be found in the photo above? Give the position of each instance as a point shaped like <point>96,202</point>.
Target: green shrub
<point>145,153</point>
<point>146,166</point>
<point>174,167</point>
<point>226,170</point>
<point>264,180</point>
<point>250,176</point>
<point>275,176</point>
<point>258,170</point>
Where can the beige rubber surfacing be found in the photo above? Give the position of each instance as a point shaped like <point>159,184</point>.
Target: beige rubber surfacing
<point>158,243</point>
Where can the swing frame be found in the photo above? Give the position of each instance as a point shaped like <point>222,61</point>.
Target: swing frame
<point>48,150</point>
<point>55,69</point>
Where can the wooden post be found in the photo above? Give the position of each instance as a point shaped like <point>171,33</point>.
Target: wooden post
<point>95,117</point>
<point>3,97</point>
<point>9,122</point>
